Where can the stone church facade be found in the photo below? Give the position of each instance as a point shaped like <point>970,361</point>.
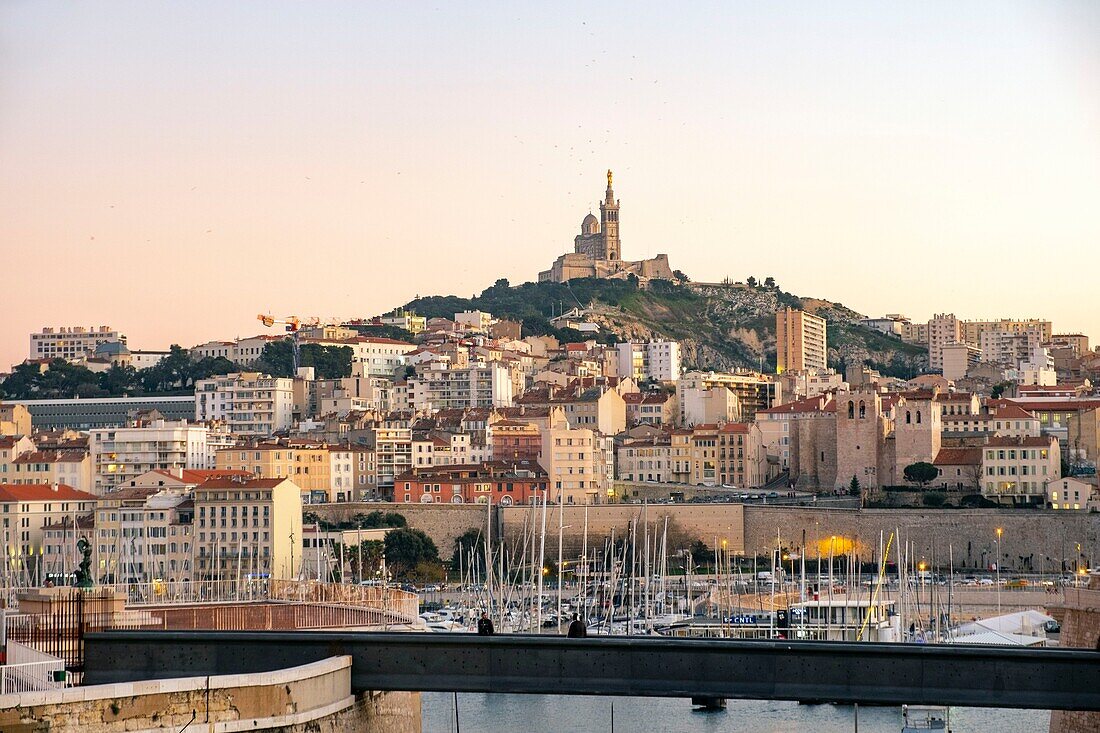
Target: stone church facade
<point>597,251</point>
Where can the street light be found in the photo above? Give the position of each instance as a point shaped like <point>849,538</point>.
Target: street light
<point>997,567</point>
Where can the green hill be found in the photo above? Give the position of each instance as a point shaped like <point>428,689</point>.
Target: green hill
<point>720,326</point>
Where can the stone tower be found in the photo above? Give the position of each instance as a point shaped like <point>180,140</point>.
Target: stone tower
<point>860,437</point>
<point>609,223</point>
<point>918,426</point>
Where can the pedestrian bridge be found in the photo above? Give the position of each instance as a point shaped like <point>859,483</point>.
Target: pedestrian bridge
<point>819,671</point>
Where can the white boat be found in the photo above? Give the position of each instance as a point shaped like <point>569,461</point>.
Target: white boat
<point>924,718</point>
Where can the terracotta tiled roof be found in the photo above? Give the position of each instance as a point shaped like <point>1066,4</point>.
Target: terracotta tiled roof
<point>42,492</point>
<point>959,457</point>
<point>255,483</point>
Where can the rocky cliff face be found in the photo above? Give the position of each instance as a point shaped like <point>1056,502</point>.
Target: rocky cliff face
<point>719,325</point>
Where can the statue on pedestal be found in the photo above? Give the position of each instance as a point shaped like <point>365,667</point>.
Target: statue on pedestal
<point>84,572</point>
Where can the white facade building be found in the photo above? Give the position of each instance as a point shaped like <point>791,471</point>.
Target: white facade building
<point>658,360</point>
<point>70,342</point>
<point>124,453</point>
<point>438,387</point>
<point>249,403</point>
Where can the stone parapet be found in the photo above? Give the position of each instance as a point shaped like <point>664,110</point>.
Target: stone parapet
<point>313,697</point>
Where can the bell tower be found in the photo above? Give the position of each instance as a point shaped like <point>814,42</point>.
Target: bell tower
<point>609,223</point>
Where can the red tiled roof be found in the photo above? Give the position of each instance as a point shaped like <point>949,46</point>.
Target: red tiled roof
<point>959,457</point>
<point>42,492</point>
<point>51,456</point>
<point>735,427</point>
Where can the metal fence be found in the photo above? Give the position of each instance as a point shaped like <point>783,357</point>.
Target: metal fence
<point>29,670</point>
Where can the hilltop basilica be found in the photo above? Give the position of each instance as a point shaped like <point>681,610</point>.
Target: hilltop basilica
<point>598,253</point>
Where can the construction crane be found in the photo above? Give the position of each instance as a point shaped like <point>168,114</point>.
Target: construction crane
<point>292,324</point>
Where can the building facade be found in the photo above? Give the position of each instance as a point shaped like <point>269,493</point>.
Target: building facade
<point>800,341</point>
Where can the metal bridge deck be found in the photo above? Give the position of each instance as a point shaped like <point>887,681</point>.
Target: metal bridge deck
<point>843,672</point>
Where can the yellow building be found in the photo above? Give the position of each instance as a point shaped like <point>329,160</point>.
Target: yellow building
<point>71,467</point>
<point>14,420</point>
<point>306,464</point>
<point>248,527</point>
<point>800,341</point>
<point>570,459</point>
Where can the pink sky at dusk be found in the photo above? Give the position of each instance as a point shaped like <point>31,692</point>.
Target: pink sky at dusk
<point>172,169</point>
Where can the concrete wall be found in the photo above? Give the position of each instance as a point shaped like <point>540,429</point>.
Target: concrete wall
<point>314,697</point>
<point>1080,628</point>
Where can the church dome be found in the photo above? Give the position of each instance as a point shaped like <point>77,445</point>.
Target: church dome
<point>590,225</point>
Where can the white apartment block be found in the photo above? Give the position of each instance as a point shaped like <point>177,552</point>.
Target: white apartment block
<point>122,454</point>
<point>438,387</point>
<point>70,342</point>
<point>575,464</point>
<point>474,320</point>
<point>1007,347</point>
<point>249,403</point>
<point>658,360</point>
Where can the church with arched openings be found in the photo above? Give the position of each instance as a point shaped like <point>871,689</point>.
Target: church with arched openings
<point>597,250</point>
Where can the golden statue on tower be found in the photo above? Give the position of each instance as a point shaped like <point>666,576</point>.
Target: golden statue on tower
<point>609,178</point>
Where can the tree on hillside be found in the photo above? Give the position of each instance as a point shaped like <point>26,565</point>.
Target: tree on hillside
<point>769,282</point>
<point>751,282</point>
<point>854,489</point>
<point>921,473</point>
<point>406,549</point>
<point>330,362</point>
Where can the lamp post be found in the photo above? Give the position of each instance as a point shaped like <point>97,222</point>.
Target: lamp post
<point>1000,531</point>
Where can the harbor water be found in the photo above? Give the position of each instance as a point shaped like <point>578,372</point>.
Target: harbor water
<point>487,713</point>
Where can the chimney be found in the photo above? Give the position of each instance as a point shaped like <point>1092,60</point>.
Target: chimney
<point>55,486</point>
<point>179,472</point>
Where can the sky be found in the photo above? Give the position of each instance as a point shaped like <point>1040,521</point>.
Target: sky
<point>174,168</point>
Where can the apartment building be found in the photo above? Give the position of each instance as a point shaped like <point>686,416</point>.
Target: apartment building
<point>14,420</point>
<point>247,528</point>
<point>27,509</point>
<point>800,341</point>
<point>572,461</point>
<point>658,360</point>
<point>248,403</point>
<point>437,386</point>
<point>957,360</point>
<point>971,331</point>
<point>392,449</point>
<point>514,440</point>
<point>143,533</point>
<point>1072,494</point>
<point>944,329</point>
<point>1016,470</point>
<point>305,463</point>
<point>645,458</point>
<point>70,342</point>
<point>500,483</point>
<point>70,467</point>
<point>649,408</point>
<point>742,457</point>
<point>753,392</point>
<point>146,444</point>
